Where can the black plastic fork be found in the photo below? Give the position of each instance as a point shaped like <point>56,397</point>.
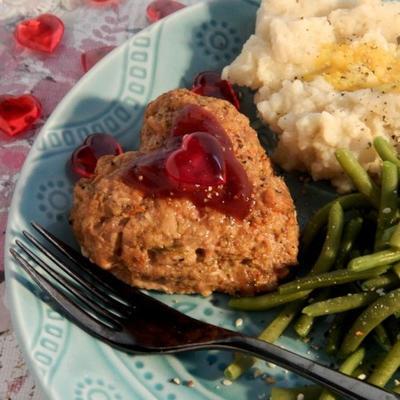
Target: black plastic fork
<point>134,322</point>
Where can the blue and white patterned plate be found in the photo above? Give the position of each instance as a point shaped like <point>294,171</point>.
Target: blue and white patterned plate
<point>69,364</point>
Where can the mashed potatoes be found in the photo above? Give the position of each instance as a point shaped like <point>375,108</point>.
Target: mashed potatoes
<point>327,75</point>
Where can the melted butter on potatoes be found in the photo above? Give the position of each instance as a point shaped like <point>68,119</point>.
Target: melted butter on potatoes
<point>326,75</point>
<point>349,67</point>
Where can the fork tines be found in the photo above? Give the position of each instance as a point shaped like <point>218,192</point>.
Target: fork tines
<point>77,285</point>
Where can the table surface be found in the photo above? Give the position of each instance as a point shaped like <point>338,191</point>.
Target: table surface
<point>87,27</point>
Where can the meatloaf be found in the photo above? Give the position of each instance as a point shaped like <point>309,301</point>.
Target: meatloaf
<point>168,244</point>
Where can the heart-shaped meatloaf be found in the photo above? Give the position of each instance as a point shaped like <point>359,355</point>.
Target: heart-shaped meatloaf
<point>165,240</point>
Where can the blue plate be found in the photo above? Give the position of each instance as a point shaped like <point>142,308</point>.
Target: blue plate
<point>67,363</point>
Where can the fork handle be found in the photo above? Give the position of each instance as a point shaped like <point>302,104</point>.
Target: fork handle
<point>335,381</point>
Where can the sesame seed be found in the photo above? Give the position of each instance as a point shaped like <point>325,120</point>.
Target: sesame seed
<point>176,381</point>
<point>300,396</point>
<point>239,322</point>
<point>227,382</point>
<point>362,377</point>
<point>387,210</point>
<point>359,333</point>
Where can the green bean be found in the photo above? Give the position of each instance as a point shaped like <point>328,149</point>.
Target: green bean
<point>328,279</point>
<point>270,334</point>
<point>305,323</point>
<point>339,304</point>
<point>388,203</point>
<point>387,280</point>
<point>384,257</point>
<point>358,175</point>
<point>308,392</point>
<point>387,367</point>
<point>348,367</point>
<point>275,329</point>
<point>240,364</point>
<point>352,362</point>
<point>335,334</point>
<point>381,337</point>
<point>324,263</point>
<point>320,218</point>
<point>350,234</point>
<point>386,150</point>
<point>266,301</point>
<point>395,238</point>
<point>331,244</point>
<point>369,319</point>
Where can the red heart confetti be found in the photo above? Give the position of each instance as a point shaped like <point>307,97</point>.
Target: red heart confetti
<point>43,33</point>
<point>104,2</point>
<point>159,9</point>
<point>18,114</point>
<point>209,83</point>
<point>199,161</point>
<point>92,57</point>
<point>84,158</point>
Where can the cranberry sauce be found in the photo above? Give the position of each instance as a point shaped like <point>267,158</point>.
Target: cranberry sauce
<point>197,163</point>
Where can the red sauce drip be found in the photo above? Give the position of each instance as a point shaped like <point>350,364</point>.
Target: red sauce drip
<point>198,163</point>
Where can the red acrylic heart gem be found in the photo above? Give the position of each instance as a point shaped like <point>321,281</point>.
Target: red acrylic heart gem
<point>104,2</point>
<point>43,33</point>
<point>199,165</point>
<point>159,9</point>
<point>84,158</point>
<point>193,118</point>
<point>199,161</point>
<point>206,78</point>
<point>92,57</point>
<point>209,83</point>
<point>18,114</point>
